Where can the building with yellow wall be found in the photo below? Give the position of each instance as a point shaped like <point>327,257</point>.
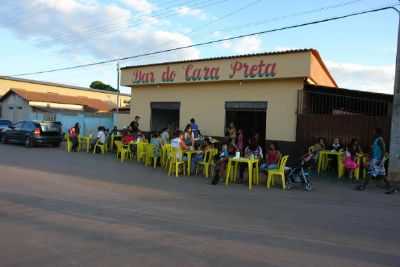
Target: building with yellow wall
<point>258,92</point>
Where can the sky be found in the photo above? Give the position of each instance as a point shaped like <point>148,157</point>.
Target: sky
<point>38,35</point>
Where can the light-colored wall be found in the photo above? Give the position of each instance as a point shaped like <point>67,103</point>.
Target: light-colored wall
<point>21,110</point>
<point>290,65</point>
<point>206,103</point>
<point>318,74</point>
<point>122,120</point>
<point>6,85</point>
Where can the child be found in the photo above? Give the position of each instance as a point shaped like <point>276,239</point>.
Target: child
<point>156,142</point>
<point>228,150</point>
<point>336,146</point>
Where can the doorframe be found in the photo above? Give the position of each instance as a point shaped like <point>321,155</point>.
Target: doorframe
<point>166,103</point>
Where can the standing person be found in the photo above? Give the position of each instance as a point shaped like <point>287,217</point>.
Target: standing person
<point>73,134</point>
<point>195,128</point>
<point>135,124</point>
<point>377,164</point>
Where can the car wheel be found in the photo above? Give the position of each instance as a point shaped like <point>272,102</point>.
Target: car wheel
<point>28,142</point>
<point>4,139</point>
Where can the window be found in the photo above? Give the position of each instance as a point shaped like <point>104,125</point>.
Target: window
<point>10,108</point>
<point>49,116</point>
<point>29,126</point>
<point>18,125</point>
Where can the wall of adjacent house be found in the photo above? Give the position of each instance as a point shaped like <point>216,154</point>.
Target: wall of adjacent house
<point>89,122</point>
<point>15,108</point>
<point>122,120</point>
<point>6,85</point>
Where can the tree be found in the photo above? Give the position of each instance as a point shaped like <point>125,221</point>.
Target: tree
<point>99,85</point>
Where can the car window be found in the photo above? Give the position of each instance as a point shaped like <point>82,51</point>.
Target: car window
<point>29,126</point>
<point>50,126</point>
<point>18,125</point>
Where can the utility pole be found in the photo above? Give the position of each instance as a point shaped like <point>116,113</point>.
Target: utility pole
<point>118,72</point>
<point>394,163</point>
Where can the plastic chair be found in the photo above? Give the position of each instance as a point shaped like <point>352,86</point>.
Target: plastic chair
<point>278,172</point>
<point>150,156</point>
<point>175,162</point>
<point>103,147</point>
<point>207,162</point>
<point>166,152</point>
<point>141,151</point>
<point>123,151</point>
<point>69,144</point>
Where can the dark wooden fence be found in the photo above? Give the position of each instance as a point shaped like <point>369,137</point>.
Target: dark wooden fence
<point>312,126</point>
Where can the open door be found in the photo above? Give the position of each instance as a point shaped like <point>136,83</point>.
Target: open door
<point>164,115</point>
<point>251,117</point>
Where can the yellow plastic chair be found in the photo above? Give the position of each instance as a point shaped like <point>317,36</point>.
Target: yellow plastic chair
<point>207,162</point>
<point>69,144</point>
<point>123,151</point>
<point>150,158</point>
<point>175,162</point>
<point>278,172</point>
<point>141,152</point>
<point>167,156</point>
<point>103,147</point>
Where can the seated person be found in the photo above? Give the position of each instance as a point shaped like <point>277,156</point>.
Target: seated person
<point>200,156</point>
<point>156,142</point>
<point>272,158</point>
<point>100,137</point>
<point>127,138</point>
<point>164,136</point>
<point>350,163</point>
<point>253,150</point>
<point>336,146</point>
<point>228,150</point>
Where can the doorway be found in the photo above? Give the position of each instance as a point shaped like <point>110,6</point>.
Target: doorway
<point>165,115</point>
<point>251,117</point>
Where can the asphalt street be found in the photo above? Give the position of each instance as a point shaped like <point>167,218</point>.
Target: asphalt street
<point>79,209</point>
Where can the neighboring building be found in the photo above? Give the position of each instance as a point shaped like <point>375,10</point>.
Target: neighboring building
<point>20,105</point>
<point>7,83</point>
<point>260,93</point>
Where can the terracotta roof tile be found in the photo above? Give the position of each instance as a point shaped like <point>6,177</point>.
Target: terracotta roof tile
<point>89,103</point>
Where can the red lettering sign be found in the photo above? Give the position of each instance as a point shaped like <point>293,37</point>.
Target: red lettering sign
<point>168,75</point>
<point>202,73</point>
<point>141,77</point>
<point>252,70</point>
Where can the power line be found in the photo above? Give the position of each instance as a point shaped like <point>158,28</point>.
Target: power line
<point>210,42</point>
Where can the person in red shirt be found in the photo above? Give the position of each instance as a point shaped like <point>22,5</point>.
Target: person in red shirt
<point>273,157</point>
<point>127,138</point>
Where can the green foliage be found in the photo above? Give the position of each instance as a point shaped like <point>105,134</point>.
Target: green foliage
<point>99,85</point>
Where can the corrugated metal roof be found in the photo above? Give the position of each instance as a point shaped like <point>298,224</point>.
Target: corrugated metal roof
<point>294,51</point>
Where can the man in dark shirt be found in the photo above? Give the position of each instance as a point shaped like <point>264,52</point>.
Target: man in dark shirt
<point>135,124</point>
